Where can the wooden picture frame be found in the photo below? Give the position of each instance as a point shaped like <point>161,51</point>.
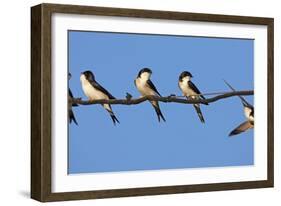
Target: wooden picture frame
<point>41,95</point>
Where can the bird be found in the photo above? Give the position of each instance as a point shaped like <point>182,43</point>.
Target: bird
<point>71,115</point>
<point>248,112</point>
<point>146,87</point>
<point>190,91</point>
<point>94,91</point>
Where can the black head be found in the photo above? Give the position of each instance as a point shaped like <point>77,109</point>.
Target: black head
<point>89,75</point>
<point>185,74</point>
<point>69,75</point>
<point>144,70</point>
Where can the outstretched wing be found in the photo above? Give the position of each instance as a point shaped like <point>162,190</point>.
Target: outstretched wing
<point>194,88</point>
<point>100,88</point>
<point>241,128</point>
<point>151,85</point>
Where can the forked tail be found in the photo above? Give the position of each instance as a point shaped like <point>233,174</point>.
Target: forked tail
<point>114,118</point>
<point>72,117</point>
<point>198,110</point>
<point>159,113</point>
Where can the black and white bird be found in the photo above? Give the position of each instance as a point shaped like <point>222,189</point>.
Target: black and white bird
<point>248,112</point>
<point>191,91</point>
<point>146,87</point>
<point>71,116</point>
<point>94,91</point>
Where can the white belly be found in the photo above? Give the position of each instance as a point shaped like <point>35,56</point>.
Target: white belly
<point>143,88</point>
<point>186,91</point>
<point>247,112</point>
<point>92,93</point>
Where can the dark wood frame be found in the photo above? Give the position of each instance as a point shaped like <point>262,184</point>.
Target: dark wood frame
<point>41,101</point>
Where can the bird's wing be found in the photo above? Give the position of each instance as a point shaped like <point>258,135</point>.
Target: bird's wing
<point>241,128</point>
<point>70,93</point>
<point>151,85</point>
<point>100,88</point>
<point>194,88</point>
<point>252,112</point>
<point>242,98</point>
<point>71,96</point>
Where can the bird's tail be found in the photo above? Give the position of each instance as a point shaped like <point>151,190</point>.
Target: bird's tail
<point>159,113</point>
<point>114,118</point>
<point>72,117</point>
<point>112,115</point>
<point>198,110</point>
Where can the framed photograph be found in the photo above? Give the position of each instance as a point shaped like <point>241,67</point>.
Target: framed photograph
<point>130,102</point>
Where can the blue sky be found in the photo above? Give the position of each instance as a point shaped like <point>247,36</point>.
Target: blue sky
<point>139,142</point>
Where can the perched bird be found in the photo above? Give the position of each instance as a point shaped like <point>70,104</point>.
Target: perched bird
<point>94,91</point>
<point>71,116</point>
<point>191,91</point>
<point>146,87</point>
<point>248,112</point>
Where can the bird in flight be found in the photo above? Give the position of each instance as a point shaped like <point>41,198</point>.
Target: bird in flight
<point>191,91</point>
<point>71,115</point>
<point>94,91</point>
<point>146,87</point>
<point>248,112</point>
